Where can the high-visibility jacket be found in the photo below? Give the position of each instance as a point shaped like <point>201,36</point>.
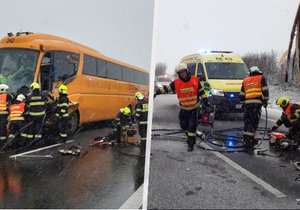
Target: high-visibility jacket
<point>37,104</point>
<point>62,106</point>
<point>141,112</point>
<point>254,90</point>
<point>3,104</point>
<point>252,87</point>
<point>17,111</point>
<point>121,121</point>
<point>187,92</point>
<point>291,112</point>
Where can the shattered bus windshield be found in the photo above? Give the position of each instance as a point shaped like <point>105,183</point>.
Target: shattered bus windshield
<point>17,67</point>
<point>226,71</point>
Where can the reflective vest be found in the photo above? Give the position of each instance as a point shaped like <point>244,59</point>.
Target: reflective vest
<point>187,91</point>
<point>288,110</point>
<point>3,104</point>
<point>37,105</point>
<point>141,112</point>
<point>252,87</point>
<point>16,111</point>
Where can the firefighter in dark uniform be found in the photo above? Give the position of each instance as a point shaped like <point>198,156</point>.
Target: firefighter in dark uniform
<point>141,115</point>
<point>188,89</point>
<point>290,117</point>
<point>122,121</point>
<point>5,102</point>
<point>62,112</point>
<point>37,103</point>
<point>17,112</point>
<point>254,94</point>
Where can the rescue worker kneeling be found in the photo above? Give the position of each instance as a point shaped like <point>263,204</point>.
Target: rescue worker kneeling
<point>290,117</point>
<point>141,115</point>
<point>62,112</point>
<point>17,120</point>
<point>122,122</point>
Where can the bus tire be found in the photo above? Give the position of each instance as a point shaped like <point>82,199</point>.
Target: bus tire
<point>73,123</point>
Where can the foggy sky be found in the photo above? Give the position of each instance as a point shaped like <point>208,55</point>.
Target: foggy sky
<point>121,29</point>
<point>242,26</point>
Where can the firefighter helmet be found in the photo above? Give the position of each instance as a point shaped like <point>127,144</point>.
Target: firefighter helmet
<point>35,86</point>
<point>3,88</point>
<point>126,111</point>
<point>181,66</point>
<point>139,96</point>
<point>63,89</point>
<point>283,101</point>
<point>21,97</point>
<point>254,69</point>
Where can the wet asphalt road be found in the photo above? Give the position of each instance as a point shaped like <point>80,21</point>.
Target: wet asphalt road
<point>98,178</point>
<point>201,180</point>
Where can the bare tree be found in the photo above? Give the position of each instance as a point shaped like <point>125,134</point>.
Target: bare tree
<point>267,63</point>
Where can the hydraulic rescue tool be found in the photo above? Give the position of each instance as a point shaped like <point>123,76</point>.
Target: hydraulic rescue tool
<point>281,141</point>
<point>128,135</point>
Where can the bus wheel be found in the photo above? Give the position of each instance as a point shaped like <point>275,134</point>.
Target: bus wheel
<point>73,123</point>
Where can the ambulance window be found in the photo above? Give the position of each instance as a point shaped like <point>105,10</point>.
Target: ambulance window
<point>200,73</point>
<point>192,68</point>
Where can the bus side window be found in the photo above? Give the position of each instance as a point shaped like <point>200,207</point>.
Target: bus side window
<point>65,65</point>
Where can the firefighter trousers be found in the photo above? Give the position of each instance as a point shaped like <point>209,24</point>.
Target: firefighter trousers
<point>62,128</point>
<point>14,128</point>
<point>35,129</point>
<point>252,114</point>
<point>143,133</point>
<point>3,129</point>
<point>188,123</point>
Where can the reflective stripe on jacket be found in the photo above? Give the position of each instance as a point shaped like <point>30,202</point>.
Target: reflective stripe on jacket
<point>3,104</point>
<point>37,104</point>
<point>17,111</point>
<point>252,87</point>
<point>187,92</point>
<point>141,112</point>
<point>288,110</point>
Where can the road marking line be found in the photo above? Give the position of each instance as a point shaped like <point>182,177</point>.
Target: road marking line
<point>135,201</point>
<point>248,174</point>
<point>40,149</point>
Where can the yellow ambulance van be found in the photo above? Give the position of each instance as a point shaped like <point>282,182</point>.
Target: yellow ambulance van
<point>224,72</point>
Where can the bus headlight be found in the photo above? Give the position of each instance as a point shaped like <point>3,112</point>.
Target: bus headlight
<point>217,92</point>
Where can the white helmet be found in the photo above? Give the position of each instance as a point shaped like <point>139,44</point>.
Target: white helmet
<point>3,88</point>
<point>254,69</point>
<point>21,97</point>
<point>180,67</point>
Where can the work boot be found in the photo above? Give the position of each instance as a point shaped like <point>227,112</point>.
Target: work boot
<point>247,142</point>
<point>254,141</point>
<point>190,148</point>
<point>190,143</point>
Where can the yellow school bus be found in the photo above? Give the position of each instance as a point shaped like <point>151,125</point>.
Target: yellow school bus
<point>100,84</point>
<point>224,72</point>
